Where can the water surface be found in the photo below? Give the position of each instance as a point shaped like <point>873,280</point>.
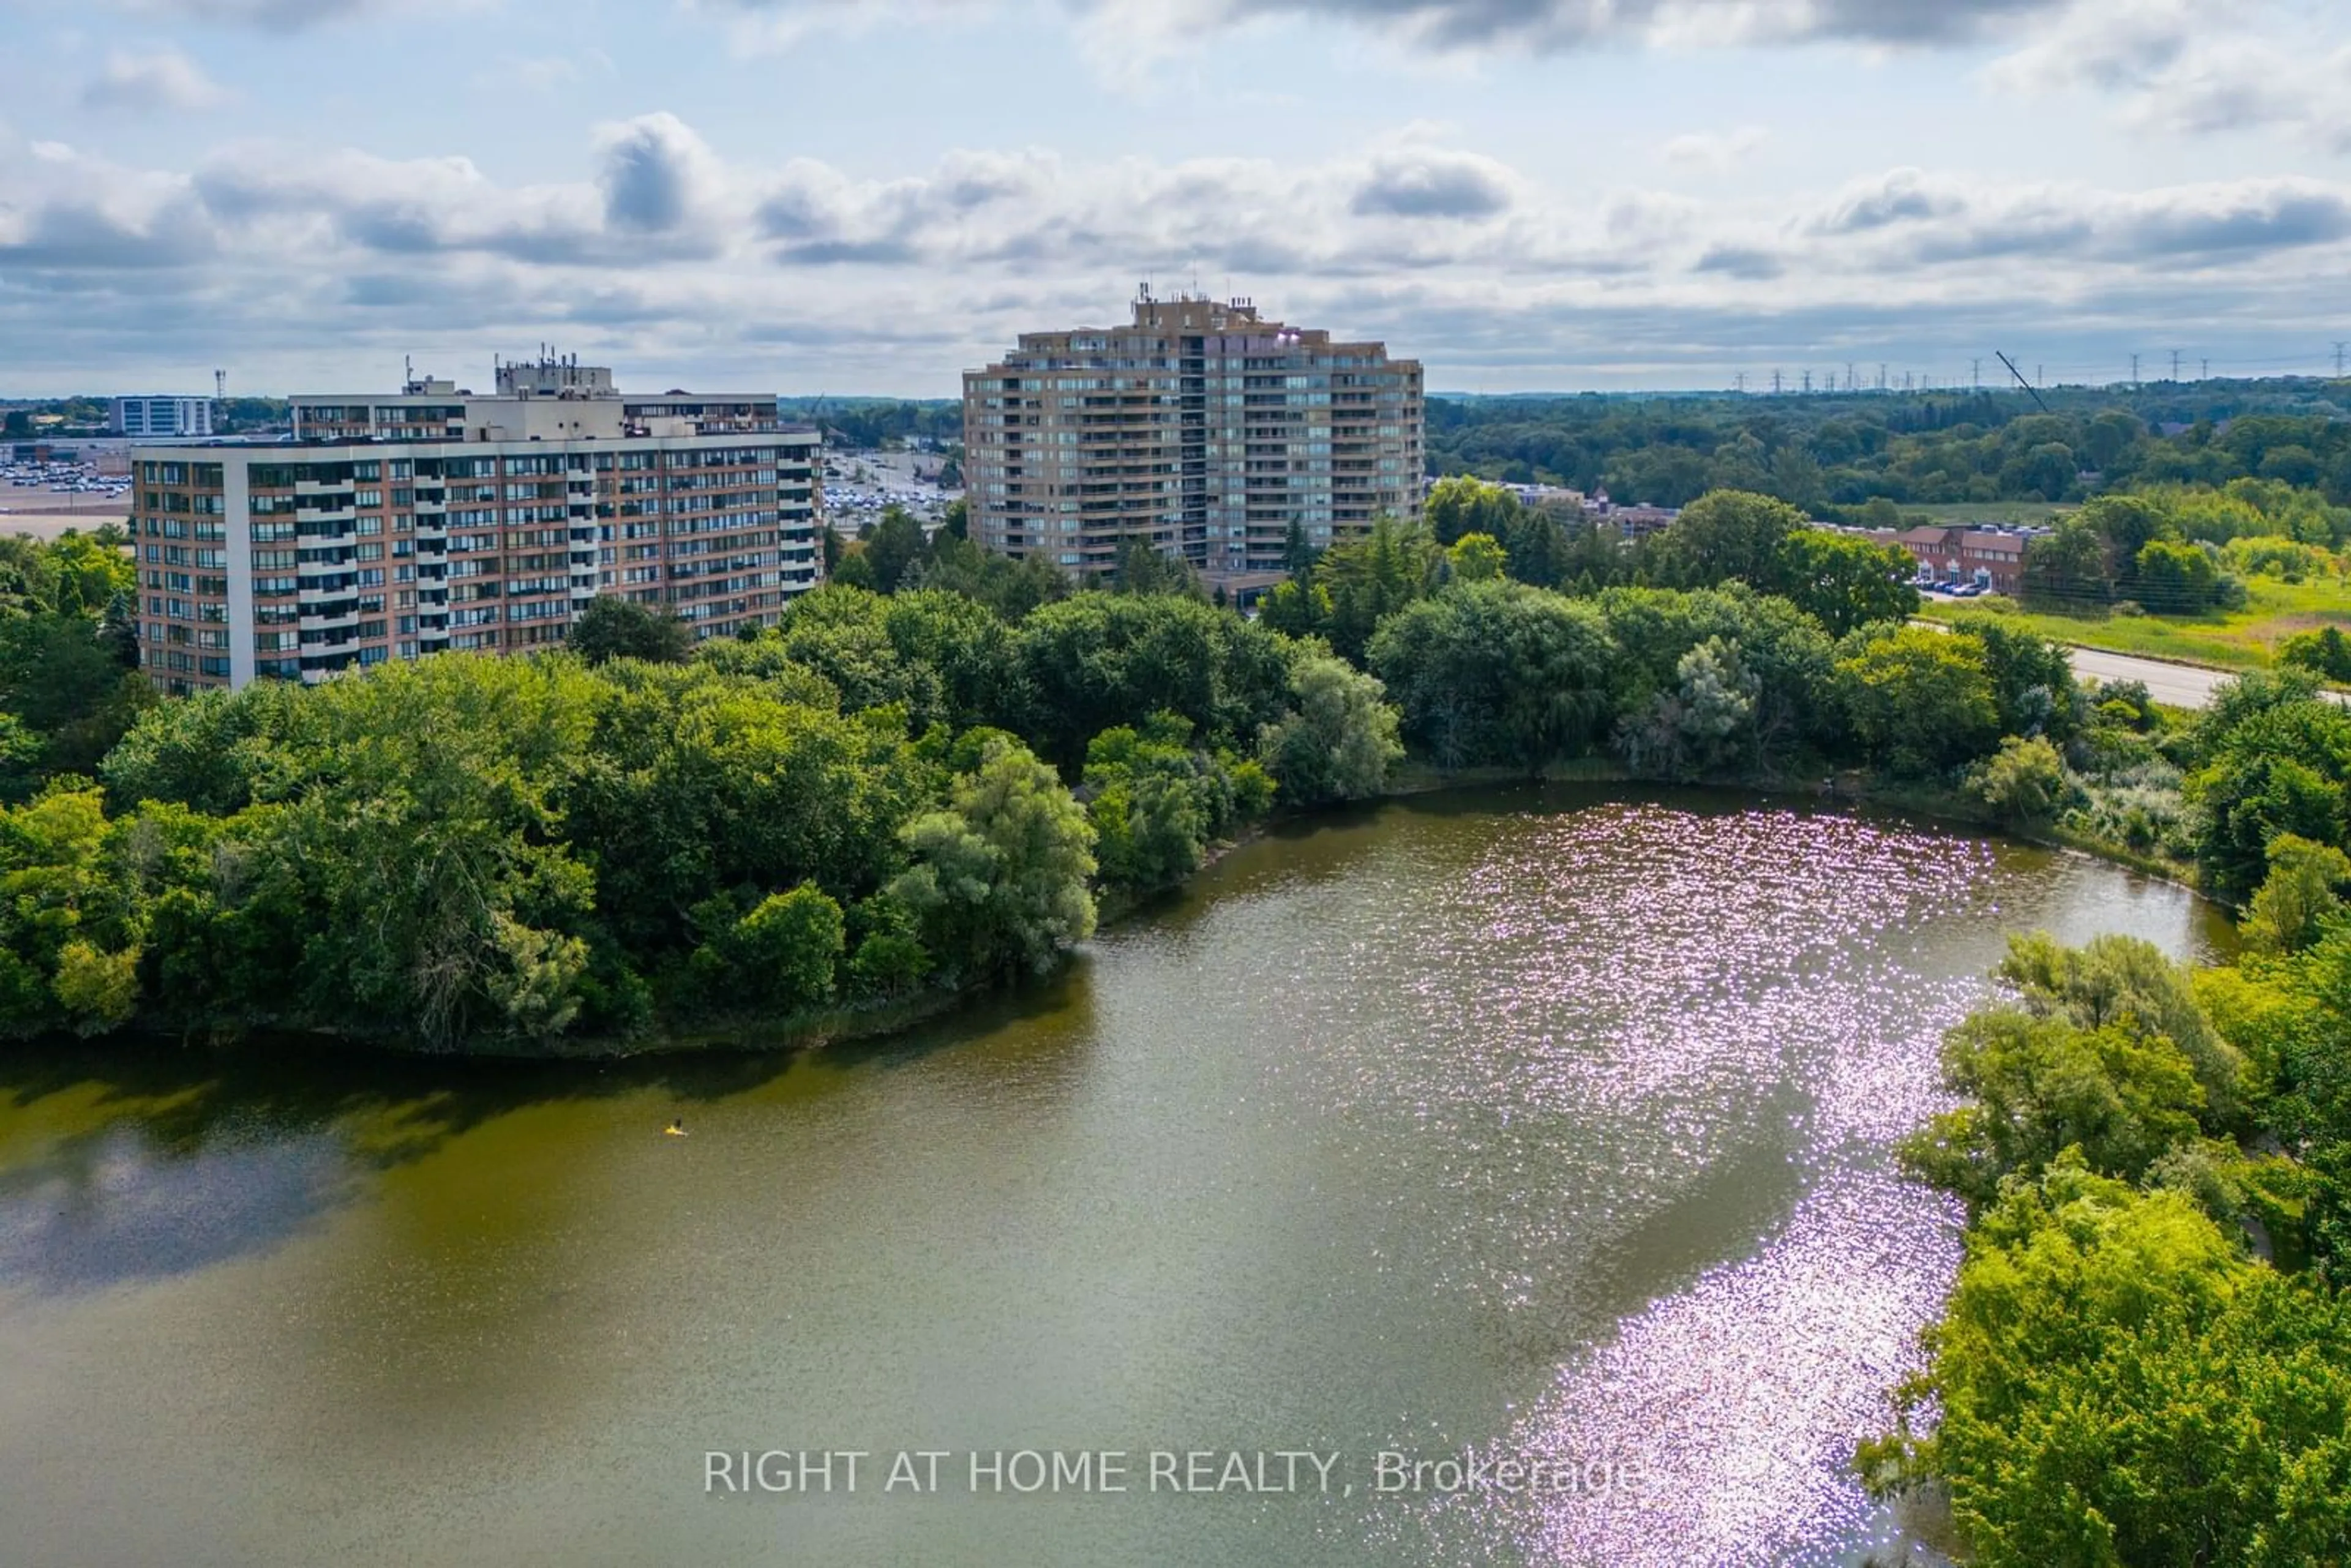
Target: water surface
<point>1545,1123</point>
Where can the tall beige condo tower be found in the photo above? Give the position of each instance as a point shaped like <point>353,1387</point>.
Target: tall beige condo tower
<point>1201,428</point>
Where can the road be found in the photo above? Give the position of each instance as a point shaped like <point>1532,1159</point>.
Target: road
<point>2177,686</point>
<point>2174,686</point>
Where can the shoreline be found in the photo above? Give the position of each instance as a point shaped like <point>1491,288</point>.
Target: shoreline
<point>808,1032</point>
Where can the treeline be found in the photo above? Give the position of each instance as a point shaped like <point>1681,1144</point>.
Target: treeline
<point>1478,530</point>
<point>868,422</point>
<point>2174,550</point>
<point>1830,455</point>
<point>476,852</point>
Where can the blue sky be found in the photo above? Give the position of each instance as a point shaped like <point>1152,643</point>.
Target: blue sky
<point>869,196</point>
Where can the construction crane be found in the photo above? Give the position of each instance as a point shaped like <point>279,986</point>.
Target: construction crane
<point>2028,386</point>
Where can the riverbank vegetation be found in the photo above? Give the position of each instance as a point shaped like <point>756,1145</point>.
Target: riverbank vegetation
<point>2148,1356</point>
<point>638,840</point>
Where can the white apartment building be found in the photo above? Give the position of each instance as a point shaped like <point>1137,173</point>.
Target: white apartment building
<point>396,525</point>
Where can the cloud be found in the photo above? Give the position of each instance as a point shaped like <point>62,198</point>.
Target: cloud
<point>658,175</point>
<point>2193,70</point>
<point>682,264</point>
<point>139,84</point>
<point>1900,196</point>
<point>280,15</point>
<point>1429,184</point>
<point>1747,262</point>
<point>1547,26</point>
<point>1718,151</point>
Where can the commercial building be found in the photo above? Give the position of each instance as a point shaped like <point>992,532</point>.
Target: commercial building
<point>1201,428</point>
<point>162,418</point>
<point>394,527</point>
<point>1989,557</point>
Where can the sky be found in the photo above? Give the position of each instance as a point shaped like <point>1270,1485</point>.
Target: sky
<point>869,196</point>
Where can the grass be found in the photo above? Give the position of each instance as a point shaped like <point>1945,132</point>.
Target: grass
<point>2237,640</point>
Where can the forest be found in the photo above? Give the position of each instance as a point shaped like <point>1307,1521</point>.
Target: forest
<point>1830,454</point>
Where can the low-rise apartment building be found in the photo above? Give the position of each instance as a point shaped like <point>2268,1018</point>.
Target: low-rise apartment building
<point>434,519</point>
<point>1993,558</point>
<point>1199,427</point>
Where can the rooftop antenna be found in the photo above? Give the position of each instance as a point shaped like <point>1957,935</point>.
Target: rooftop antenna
<point>2020,379</point>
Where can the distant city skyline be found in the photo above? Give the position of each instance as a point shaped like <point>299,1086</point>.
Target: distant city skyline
<point>872,196</point>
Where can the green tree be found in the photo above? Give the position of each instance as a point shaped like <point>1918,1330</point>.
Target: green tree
<point>2037,1085</point>
<point>782,954</point>
<point>1496,672</point>
<point>1843,581</point>
<point>612,628</point>
<point>1338,741</point>
<point>1459,504</point>
<point>1154,803</point>
<point>1728,534</point>
<point>1144,570</point>
<point>1476,557</point>
<point>2274,759</point>
<point>2125,982</point>
<point>1705,724</point>
<point>2024,782</point>
<point>893,544</point>
<point>1369,579</point>
<point>2326,652</point>
<point>2113,1386</point>
<point>1920,700</point>
<point>2175,579</point>
<point>2302,892</point>
<point>998,880</point>
<point>2066,568</point>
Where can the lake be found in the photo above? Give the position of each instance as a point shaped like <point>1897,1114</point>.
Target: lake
<point>1548,1127</point>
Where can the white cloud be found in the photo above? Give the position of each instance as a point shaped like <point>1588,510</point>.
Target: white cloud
<point>143,83</point>
<point>661,251</point>
<point>1468,25</point>
<point>1716,150</point>
<point>2193,70</point>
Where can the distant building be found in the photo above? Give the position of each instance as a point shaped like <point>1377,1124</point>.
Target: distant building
<point>1992,557</point>
<point>162,418</point>
<point>1201,428</point>
<point>398,525</point>
<point>1631,521</point>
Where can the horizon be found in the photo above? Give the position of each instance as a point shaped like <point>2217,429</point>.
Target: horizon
<point>1453,394</point>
